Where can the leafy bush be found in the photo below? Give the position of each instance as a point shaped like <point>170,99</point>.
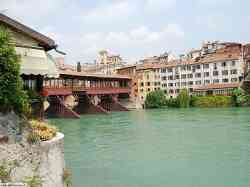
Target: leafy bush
<point>183,99</point>
<point>41,131</point>
<point>4,173</point>
<point>33,181</point>
<point>6,169</point>
<point>12,95</point>
<point>155,99</point>
<point>240,98</point>
<point>172,102</point>
<point>211,101</point>
<point>33,138</point>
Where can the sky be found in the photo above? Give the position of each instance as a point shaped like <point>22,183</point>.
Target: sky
<point>135,29</point>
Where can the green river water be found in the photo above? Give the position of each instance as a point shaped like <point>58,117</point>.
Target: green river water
<point>159,148</point>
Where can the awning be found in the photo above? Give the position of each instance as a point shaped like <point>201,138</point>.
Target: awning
<point>37,62</point>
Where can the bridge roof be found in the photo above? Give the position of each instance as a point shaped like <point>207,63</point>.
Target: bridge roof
<point>89,75</point>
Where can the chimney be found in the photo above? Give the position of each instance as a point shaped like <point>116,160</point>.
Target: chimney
<point>79,67</point>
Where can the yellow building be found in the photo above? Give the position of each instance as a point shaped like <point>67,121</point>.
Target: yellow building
<point>148,80</point>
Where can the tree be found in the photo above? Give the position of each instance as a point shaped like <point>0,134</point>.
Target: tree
<point>155,99</point>
<point>79,67</point>
<point>183,99</point>
<point>12,95</point>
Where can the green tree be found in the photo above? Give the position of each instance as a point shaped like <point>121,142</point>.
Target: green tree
<point>155,99</point>
<point>12,95</point>
<point>183,99</point>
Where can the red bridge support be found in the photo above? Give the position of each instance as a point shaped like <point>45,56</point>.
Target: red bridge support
<point>86,106</point>
<point>58,109</point>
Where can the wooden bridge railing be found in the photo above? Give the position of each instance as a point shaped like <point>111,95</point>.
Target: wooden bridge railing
<point>67,90</point>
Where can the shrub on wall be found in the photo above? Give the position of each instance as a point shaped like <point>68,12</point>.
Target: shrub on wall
<point>155,99</point>
<point>211,101</point>
<point>183,99</point>
<point>12,95</point>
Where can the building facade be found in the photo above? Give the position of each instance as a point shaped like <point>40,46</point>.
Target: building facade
<point>106,58</point>
<point>215,69</point>
<point>33,47</point>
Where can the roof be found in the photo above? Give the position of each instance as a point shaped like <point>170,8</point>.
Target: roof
<point>227,53</point>
<point>217,86</point>
<point>43,40</point>
<point>83,74</point>
<point>127,67</point>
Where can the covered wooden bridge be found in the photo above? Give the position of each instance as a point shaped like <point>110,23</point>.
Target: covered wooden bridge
<point>76,93</point>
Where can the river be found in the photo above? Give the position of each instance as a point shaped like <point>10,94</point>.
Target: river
<point>159,148</point>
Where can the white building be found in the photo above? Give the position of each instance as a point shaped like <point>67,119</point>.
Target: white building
<point>217,71</point>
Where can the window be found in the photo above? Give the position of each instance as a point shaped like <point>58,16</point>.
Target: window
<point>207,81</point>
<point>189,67</point>
<point>233,63</point>
<point>177,77</point>
<point>233,71</point>
<point>234,79</point>
<point>142,84</point>
<point>170,70</point>
<point>163,70</point>
<point>171,91</point>
<point>147,77</point>
<point>206,74</point>
<point>170,84</point>
<point>183,83</point>
<point>224,64</point>
<point>170,77</point>
<point>148,83</point>
<point>205,66</point>
<point>183,76</point>
<point>190,75</point>
<point>190,83</point>
<point>215,66</point>
<point>149,90</point>
<point>164,78</point>
<point>198,75</point>
<point>156,83</point>
<point>225,72</point>
<point>183,68</point>
<point>198,82</point>
<point>225,80</point>
<point>198,66</point>
<point>216,81</point>
<point>215,73</point>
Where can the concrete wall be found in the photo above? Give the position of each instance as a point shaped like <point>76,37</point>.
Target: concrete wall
<point>44,159</point>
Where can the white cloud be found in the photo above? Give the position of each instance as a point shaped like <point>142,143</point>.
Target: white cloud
<point>110,12</point>
<point>126,43</point>
<point>76,27</point>
<point>159,5</point>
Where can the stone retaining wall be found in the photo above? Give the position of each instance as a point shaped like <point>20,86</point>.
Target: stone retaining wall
<point>45,160</point>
